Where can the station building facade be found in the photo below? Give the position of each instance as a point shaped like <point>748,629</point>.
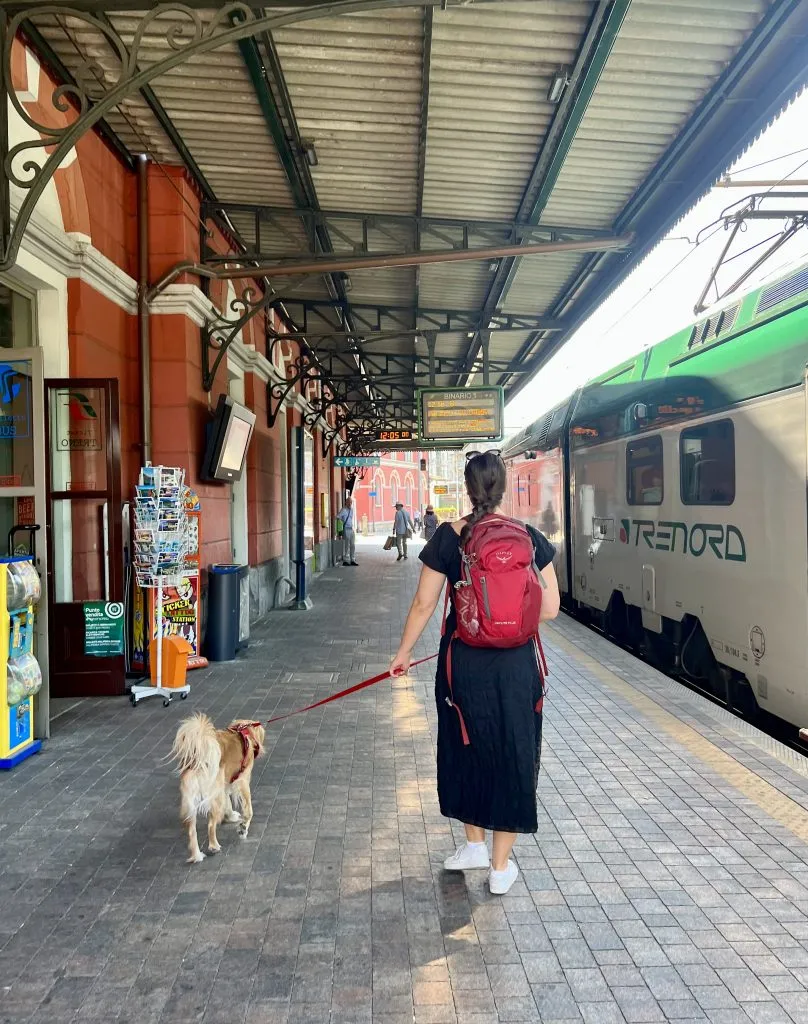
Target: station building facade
<point>71,302</point>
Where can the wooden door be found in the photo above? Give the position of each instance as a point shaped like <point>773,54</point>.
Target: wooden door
<point>85,532</point>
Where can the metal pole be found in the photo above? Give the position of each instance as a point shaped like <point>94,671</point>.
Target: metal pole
<point>5,145</point>
<point>144,338</point>
<point>431,339</point>
<point>302,602</point>
<point>340,264</point>
<point>485,339</point>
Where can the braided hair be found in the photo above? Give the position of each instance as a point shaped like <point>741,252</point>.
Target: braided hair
<point>485,483</point>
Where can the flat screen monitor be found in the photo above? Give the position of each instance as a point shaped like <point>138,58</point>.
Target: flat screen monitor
<point>228,439</point>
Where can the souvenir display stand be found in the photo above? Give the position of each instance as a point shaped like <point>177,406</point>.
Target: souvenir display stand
<point>20,674</point>
<point>161,556</point>
<point>182,611</point>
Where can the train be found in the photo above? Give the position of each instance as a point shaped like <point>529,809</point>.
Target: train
<point>675,490</point>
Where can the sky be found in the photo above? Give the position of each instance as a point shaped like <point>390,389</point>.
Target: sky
<point>655,301</point>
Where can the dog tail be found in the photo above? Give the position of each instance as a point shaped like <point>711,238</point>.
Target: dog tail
<point>196,748</point>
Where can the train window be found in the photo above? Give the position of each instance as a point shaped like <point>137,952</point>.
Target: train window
<point>644,471</point>
<point>707,464</point>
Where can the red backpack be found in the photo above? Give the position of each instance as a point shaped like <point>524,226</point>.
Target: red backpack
<point>498,597</point>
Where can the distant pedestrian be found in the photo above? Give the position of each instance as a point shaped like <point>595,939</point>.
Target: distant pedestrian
<point>402,528</point>
<point>346,516</point>
<point>430,523</point>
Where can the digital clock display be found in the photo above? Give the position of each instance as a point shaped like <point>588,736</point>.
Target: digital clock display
<point>394,435</point>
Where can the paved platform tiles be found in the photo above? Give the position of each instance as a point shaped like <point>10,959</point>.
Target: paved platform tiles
<point>668,880</point>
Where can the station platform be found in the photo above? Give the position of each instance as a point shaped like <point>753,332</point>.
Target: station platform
<point>668,880</point>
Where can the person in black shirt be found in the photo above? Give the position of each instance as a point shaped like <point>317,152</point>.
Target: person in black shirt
<point>491,783</point>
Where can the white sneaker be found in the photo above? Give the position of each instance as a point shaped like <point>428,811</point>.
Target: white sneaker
<point>470,855</point>
<point>499,882</point>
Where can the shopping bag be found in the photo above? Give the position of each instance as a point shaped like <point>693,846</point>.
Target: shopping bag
<point>389,543</point>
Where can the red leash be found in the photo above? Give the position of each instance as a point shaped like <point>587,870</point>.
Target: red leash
<point>351,689</point>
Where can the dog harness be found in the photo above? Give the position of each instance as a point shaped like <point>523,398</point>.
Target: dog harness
<point>243,732</point>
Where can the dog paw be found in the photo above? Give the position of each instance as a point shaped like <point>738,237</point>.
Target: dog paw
<point>244,830</point>
<point>196,858</point>
<point>214,849</point>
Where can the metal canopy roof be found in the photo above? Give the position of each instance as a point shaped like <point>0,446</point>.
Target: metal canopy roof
<point>397,135</point>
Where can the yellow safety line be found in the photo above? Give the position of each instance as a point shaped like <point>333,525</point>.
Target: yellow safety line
<point>770,800</point>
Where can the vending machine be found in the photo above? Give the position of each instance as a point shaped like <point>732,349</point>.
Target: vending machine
<point>20,674</point>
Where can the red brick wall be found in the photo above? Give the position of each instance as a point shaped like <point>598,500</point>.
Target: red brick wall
<point>98,197</point>
<point>103,343</point>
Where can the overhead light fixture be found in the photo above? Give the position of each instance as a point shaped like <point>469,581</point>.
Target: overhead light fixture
<point>558,85</point>
<point>347,284</point>
<point>309,152</point>
<point>493,266</point>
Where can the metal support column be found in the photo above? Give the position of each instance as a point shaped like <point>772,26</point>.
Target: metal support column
<point>5,144</point>
<point>485,341</point>
<point>431,341</point>
<point>301,602</point>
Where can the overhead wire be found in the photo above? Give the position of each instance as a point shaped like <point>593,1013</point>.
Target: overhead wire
<point>771,160</point>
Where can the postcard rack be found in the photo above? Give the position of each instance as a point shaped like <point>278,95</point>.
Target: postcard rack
<point>162,542</point>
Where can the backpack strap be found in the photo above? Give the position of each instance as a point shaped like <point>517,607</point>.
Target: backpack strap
<point>450,699</point>
<point>541,664</point>
<point>445,609</point>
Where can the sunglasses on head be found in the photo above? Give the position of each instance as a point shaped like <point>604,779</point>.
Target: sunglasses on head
<point>490,451</point>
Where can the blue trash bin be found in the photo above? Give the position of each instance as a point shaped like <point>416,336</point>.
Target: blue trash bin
<point>222,633</point>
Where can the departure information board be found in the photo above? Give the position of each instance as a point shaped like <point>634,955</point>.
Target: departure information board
<point>461,414</point>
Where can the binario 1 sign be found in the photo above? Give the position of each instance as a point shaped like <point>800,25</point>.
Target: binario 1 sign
<point>461,414</point>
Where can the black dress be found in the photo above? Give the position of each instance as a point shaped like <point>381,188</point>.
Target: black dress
<point>492,781</point>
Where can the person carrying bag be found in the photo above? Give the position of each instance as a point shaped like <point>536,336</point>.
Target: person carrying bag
<point>403,529</point>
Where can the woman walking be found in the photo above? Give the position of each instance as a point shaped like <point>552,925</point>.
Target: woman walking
<point>489,783</point>
<point>430,523</point>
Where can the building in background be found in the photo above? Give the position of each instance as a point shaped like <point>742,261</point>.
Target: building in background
<point>402,476</point>
<point>447,488</point>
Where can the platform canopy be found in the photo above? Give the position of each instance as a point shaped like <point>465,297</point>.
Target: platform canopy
<point>383,167</point>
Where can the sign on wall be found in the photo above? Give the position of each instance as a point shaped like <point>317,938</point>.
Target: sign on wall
<point>78,426</point>
<point>15,399</point>
<point>103,628</point>
<point>461,414</point>
<point>350,461</point>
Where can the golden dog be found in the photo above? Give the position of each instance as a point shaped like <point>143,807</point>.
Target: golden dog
<point>215,767</point>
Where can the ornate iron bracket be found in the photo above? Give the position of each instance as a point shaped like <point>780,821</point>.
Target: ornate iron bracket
<point>278,391</point>
<point>219,333</point>
<point>183,32</point>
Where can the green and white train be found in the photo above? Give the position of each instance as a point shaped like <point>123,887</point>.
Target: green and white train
<point>675,487</point>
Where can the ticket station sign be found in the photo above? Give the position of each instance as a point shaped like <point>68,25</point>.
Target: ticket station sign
<point>461,414</point>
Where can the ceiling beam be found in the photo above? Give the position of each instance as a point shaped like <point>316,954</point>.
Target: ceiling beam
<point>265,227</point>
<point>594,51</point>
<point>392,321</point>
<point>246,268</point>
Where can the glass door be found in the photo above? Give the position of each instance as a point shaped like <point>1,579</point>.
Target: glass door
<point>22,483</point>
<point>85,530</point>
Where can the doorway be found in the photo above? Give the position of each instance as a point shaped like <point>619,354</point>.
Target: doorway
<point>84,531</point>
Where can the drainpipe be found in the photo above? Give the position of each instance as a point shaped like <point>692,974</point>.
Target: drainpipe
<point>144,340</point>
